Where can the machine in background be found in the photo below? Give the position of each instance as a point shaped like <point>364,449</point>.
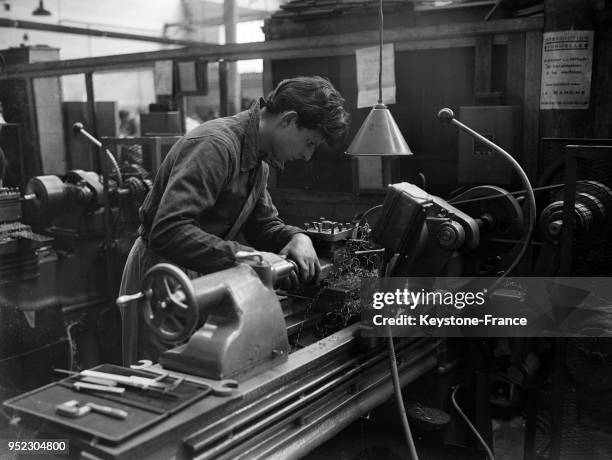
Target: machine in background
<point>18,243</point>
<point>568,411</point>
<point>65,241</point>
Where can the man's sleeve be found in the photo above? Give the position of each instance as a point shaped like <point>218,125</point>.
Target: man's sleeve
<point>198,176</point>
<point>264,229</point>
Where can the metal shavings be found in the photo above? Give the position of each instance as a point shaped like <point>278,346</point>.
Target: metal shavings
<point>347,276</point>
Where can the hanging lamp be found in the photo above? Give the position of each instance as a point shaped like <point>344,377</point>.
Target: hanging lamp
<point>41,11</point>
<point>379,134</point>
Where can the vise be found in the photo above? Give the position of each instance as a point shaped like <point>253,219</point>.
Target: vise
<point>232,319</point>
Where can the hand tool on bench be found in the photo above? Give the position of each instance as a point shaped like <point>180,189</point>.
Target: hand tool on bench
<point>225,387</point>
<point>79,386</point>
<point>75,409</point>
<point>107,410</point>
<point>147,384</point>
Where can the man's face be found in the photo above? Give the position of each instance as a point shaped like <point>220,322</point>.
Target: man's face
<point>285,141</point>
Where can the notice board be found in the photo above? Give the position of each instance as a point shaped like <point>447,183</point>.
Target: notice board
<point>567,63</point>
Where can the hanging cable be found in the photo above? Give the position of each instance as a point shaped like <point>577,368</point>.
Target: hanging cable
<point>380,50</point>
<point>469,424</point>
<point>363,218</point>
<point>71,345</point>
<point>400,401</point>
<point>397,389</point>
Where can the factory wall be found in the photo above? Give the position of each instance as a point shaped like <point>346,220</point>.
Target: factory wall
<point>424,86</point>
<point>503,73</point>
<point>426,81</point>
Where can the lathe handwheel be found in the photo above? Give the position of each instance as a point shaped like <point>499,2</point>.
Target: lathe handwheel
<point>170,308</point>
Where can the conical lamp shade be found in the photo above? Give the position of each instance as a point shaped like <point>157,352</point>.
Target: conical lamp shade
<point>40,11</point>
<point>379,135</point>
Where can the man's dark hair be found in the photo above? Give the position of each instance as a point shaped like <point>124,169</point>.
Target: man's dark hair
<point>318,104</point>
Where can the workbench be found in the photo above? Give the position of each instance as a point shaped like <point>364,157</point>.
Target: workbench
<point>283,412</point>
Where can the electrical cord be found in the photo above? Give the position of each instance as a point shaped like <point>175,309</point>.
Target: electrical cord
<point>380,51</point>
<point>384,270</point>
<point>469,424</point>
<point>399,400</point>
<point>362,219</point>
<point>71,345</point>
<point>6,416</point>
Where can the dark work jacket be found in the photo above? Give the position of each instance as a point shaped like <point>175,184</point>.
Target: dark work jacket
<point>199,191</point>
<point>197,195</point>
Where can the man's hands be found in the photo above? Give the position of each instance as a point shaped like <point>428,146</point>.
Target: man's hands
<point>300,250</point>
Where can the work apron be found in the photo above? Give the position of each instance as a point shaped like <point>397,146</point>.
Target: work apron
<point>138,342</point>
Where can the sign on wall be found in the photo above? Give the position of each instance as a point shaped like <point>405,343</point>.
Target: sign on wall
<point>567,63</point>
<point>163,77</point>
<point>367,75</point>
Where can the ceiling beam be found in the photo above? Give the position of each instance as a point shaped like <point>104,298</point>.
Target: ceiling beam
<point>32,25</point>
<point>332,45</point>
<point>243,16</point>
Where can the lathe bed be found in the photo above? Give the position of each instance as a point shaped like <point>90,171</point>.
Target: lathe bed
<point>283,412</point>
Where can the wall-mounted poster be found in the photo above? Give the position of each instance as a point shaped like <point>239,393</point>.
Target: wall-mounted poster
<point>367,75</point>
<point>163,77</point>
<point>192,77</point>
<point>567,62</point>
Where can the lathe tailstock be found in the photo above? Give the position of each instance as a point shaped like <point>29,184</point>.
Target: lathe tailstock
<point>241,324</point>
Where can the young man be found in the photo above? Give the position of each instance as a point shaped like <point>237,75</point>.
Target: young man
<point>212,186</point>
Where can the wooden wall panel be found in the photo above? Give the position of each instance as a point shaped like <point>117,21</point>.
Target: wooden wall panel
<point>601,87</point>
<point>531,103</point>
<point>17,98</point>
<point>515,69</point>
<point>427,80</point>
<point>483,63</point>
<point>47,96</point>
<point>329,169</point>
